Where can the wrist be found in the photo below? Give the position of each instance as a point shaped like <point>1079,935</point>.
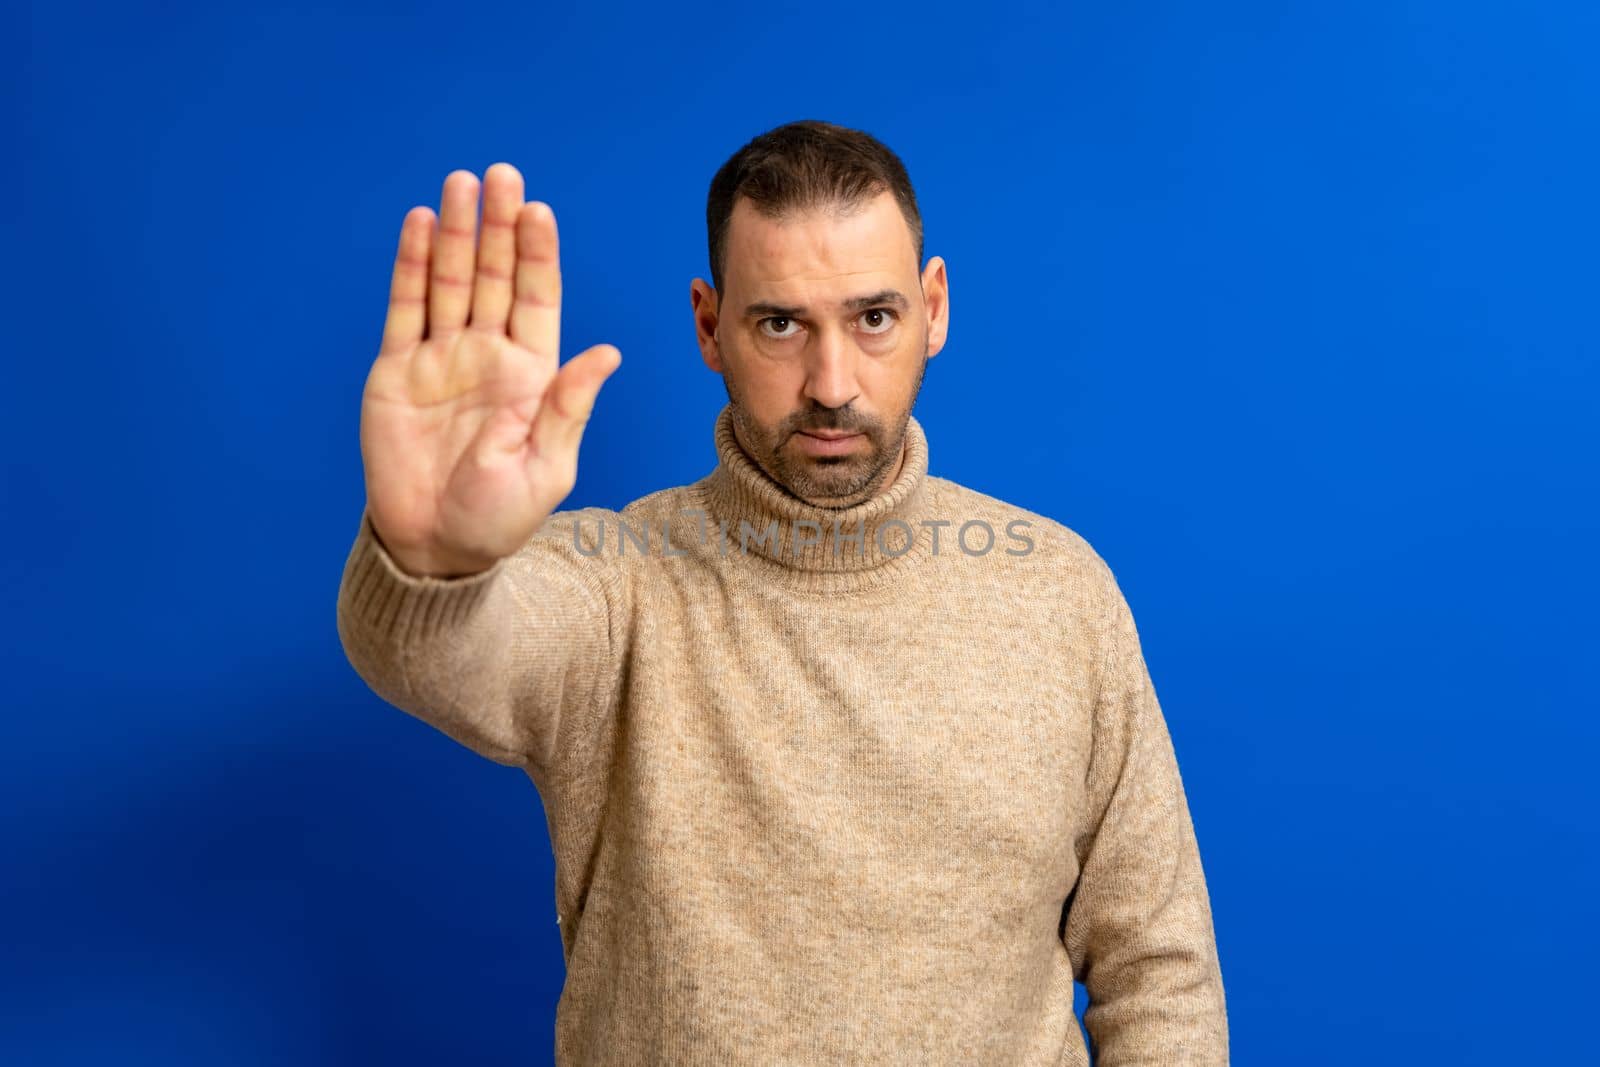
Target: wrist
<point>431,562</point>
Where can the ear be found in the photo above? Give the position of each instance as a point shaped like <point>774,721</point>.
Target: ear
<point>936,295</point>
<point>703,302</point>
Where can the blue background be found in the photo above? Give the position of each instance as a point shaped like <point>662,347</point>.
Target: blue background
<point>1288,309</point>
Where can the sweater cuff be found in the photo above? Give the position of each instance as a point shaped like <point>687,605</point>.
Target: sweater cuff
<point>392,604</point>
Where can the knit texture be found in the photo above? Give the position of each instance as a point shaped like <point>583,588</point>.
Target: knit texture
<point>870,797</point>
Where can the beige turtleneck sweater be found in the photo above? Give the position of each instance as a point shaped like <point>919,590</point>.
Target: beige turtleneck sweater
<point>821,799</point>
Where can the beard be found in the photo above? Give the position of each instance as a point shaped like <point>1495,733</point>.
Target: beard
<point>826,481</point>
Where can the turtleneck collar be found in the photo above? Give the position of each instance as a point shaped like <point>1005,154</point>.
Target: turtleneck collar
<point>861,544</point>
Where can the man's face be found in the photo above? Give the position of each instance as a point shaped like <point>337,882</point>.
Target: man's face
<point>824,327</point>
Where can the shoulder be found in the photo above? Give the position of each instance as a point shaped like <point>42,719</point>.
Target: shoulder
<point>1048,542</point>
<point>1077,578</point>
<point>580,528</point>
<point>1057,568</point>
<point>583,540</point>
<point>661,505</point>
<point>608,544</point>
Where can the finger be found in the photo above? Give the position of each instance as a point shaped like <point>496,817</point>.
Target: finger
<point>536,312</point>
<point>408,288</point>
<point>569,401</point>
<point>497,248</point>
<point>450,280</point>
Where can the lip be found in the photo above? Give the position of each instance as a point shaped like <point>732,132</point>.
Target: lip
<point>835,444</point>
<point>829,435</point>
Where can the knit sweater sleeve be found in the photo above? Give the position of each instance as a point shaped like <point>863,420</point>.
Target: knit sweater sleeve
<point>511,662</point>
<point>1139,925</point>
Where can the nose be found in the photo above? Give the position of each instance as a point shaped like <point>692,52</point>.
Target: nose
<point>831,373</point>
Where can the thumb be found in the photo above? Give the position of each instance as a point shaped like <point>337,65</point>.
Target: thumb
<point>569,401</point>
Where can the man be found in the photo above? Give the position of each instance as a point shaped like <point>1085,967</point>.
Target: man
<point>842,762</point>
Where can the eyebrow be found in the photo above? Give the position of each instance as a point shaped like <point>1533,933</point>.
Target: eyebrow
<point>892,297</point>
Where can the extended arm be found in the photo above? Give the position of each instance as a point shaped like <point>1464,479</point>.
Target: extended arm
<point>463,599</point>
<point>510,662</point>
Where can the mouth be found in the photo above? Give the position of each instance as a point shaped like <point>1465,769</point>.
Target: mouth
<point>829,443</point>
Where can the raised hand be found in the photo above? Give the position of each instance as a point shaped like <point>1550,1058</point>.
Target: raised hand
<point>469,426</point>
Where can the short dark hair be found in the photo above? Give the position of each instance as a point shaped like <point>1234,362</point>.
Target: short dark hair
<point>804,165</point>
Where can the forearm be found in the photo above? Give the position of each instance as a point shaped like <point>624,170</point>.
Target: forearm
<point>490,659</point>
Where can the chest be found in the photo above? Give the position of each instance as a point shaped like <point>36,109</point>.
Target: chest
<point>866,740</point>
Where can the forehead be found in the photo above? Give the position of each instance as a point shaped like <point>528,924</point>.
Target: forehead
<point>830,246</point>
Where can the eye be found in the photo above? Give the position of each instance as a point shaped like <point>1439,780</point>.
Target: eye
<point>781,335</point>
<point>879,320</point>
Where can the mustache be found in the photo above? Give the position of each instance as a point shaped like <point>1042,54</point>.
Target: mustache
<point>844,422</point>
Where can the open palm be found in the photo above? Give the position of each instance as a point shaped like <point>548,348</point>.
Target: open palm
<point>469,425</point>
